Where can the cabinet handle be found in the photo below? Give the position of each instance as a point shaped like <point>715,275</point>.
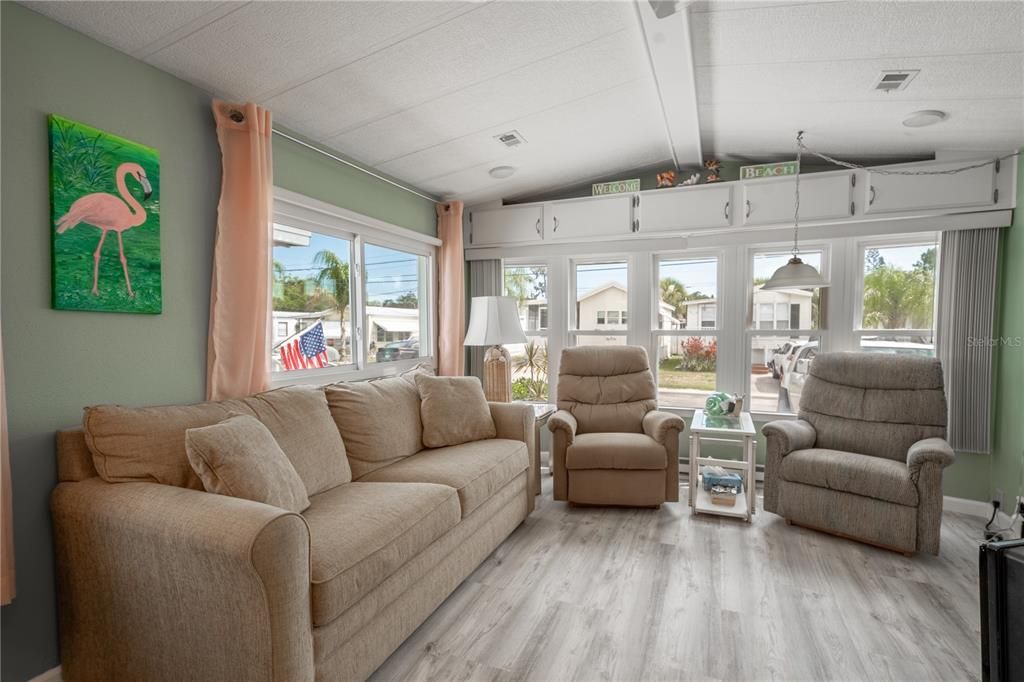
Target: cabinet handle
<point>725,210</point>
<point>852,210</point>
<point>871,201</point>
<point>748,208</point>
<point>636,225</point>
<point>538,227</point>
<point>556,225</point>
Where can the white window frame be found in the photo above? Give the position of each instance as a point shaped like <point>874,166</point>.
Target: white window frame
<point>861,248</point>
<point>574,334</point>
<point>297,210</point>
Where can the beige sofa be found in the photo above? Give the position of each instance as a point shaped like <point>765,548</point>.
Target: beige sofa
<point>159,580</point>
<point>610,444</point>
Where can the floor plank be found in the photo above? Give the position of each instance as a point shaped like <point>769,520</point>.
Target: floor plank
<point>636,594</point>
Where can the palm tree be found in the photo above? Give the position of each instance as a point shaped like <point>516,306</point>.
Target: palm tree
<point>534,360</point>
<point>333,272</point>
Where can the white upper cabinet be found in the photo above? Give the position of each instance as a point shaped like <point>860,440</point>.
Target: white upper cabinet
<point>968,189</point>
<point>588,218</point>
<point>822,197</point>
<point>506,225</point>
<point>685,208</point>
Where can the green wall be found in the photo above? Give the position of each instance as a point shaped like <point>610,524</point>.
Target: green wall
<point>1007,462</point>
<point>56,361</point>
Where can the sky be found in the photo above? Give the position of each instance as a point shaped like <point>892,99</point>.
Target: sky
<point>390,273</point>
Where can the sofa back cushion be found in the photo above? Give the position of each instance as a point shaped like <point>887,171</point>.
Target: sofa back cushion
<point>606,388</point>
<point>378,420</point>
<point>148,443</point>
<point>239,457</point>
<point>454,411</point>
<point>874,403</point>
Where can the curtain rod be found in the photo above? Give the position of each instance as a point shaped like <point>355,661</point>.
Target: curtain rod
<point>348,163</point>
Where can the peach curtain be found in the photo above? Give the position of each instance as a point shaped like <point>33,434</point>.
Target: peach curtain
<point>7,546</point>
<point>238,358</point>
<point>451,291</point>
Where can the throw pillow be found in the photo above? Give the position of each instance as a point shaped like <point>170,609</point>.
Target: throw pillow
<point>453,410</point>
<point>239,457</point>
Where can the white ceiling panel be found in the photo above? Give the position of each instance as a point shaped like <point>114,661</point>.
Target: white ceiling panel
<point>133,27</point>
<point>942,79</point>
<point>855,30</point>
<point>603,117</point>
<point>600,65</point>
<point>298,42</point>
<point>486,43</point>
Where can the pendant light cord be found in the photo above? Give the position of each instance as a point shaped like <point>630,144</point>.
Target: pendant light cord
<point>796,208</point>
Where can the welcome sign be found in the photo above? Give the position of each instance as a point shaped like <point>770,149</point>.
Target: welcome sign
<point>769,170</point>
<point>615,187</point>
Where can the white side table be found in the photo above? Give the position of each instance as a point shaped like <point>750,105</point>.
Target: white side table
<point>733,430</point>
<point>541,413</point>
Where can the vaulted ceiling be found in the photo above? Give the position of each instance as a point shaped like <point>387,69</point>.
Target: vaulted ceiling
<point>419,90</point>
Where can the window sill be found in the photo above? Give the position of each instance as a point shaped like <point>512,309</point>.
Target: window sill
<point>320,377</point>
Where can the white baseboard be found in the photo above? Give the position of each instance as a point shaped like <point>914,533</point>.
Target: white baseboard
<point>51,675</point>
<point>960,505</point>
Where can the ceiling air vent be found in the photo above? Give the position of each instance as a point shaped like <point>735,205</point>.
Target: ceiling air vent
<point>511,139</point>
<point>890,81</point>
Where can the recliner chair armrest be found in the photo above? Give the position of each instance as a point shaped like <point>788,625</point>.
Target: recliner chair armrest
<point>929,450</point>
<point>563,421</point>
<point>658,425</point>
<point>793,434</point>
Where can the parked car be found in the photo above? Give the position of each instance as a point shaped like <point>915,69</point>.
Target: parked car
<point>926,350</point>
<point>798,371</point>
<point>777,356</point>
<point>785,365</point>
<point>399,350</point>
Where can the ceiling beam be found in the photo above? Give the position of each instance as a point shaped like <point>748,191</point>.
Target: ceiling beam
<point>666,31</point>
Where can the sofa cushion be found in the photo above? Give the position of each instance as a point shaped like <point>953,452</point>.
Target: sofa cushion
<point>148,443</point>
<point>877,477</point>
<point>477,470</point>
<point>240,458</point>
<point>615,451</point>
<point>454,410</point>
<point>360,533</point>
<point>378,420</point>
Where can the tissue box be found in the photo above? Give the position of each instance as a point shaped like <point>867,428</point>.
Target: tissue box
<point>728,480</point>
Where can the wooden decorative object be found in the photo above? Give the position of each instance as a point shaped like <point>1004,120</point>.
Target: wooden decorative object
<point>498,375</point>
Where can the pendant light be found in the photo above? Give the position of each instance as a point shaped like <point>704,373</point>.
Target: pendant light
<point>796,274</point>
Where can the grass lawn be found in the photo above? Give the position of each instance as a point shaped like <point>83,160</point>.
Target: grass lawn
<point>669,378</point>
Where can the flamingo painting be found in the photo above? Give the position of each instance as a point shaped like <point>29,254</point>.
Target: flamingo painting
<point>109,213</point>
<point>102,184</point>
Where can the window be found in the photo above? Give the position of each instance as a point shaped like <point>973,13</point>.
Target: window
<point>897,298</point>
<point>528,284</point>
<point>601,292</point>
<point>311,293</point>
<point>348,295</point>
<point>775,381</point>
<point>685,333</point>
<point>394,288</point>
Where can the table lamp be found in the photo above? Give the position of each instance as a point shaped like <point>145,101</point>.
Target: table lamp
<point>494,320</point>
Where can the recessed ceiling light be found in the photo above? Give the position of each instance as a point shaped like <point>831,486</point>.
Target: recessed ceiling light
<point>502,172</point>
<point>926,117</point>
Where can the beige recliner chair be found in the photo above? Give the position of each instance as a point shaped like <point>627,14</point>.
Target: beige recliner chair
<point>864,459</point>
<point>610,444</point>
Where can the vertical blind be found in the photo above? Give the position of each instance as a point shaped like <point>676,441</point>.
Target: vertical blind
<point>485,279</point>
<point>966,311</point>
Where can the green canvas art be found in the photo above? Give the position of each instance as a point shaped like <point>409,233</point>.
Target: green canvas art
<point>105,212</point>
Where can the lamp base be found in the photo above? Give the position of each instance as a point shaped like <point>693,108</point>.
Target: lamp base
<point>498,375</point>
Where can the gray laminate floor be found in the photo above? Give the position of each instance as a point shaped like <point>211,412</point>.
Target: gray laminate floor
<point>613,594</point>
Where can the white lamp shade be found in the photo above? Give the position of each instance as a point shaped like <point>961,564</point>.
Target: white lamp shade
<point>494,320</point>
<point>795,274</point>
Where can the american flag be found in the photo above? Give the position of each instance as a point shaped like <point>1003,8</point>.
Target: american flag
<point>306,350</point>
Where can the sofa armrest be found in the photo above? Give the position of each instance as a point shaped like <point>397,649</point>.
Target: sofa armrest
<point>791,434</point>
<point>662,425</point>
<point>929,451</point>
<point>158,582</point>
<point>515,421</point>
<point>563,431</point>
